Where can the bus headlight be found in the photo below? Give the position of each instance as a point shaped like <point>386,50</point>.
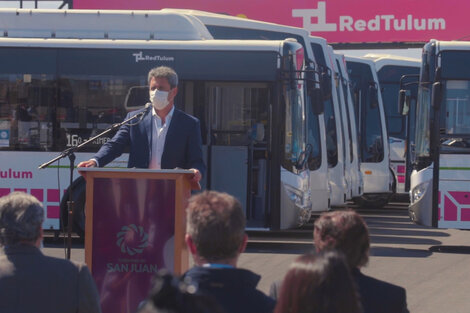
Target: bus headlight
<point>300,198</point>
<point>418,192</point>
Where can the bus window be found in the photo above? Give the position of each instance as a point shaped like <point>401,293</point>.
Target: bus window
<point>313,138</point>
<point>28,99</point>
<point>328,114</point>
<point>389,78</point>
<point>457,118</point>
<point>422,137</point>
<point>237,110</point>
<point>372,145</point>
<point>294,142</point>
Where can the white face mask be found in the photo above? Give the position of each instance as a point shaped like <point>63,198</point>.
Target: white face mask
<point>159,99</point>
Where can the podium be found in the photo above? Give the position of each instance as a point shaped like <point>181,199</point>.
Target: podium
<point>135,226</point>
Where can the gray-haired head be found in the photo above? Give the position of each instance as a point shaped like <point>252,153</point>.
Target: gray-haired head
<point>21,218</point>
<point>164,72</point>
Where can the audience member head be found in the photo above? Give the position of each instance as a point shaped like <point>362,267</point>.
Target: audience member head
<point>215,230</point>
<point>318,284</point>
<point>171,295</point>
<point>21,218</point>
<point>346,232</point>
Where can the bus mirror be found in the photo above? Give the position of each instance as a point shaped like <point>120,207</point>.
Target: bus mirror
<point>373,96</point>
<point>136,98</point>
<point>437,76</point>
<point>316,100</point>
<point>436,95</point>
<point>302,160</point>
<point>425,68</point>
<point>325,83</point>
<point>292,82</point>
<point>404,102</point>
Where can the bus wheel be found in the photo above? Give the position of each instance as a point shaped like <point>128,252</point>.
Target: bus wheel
<point>78,226</point>
<point>373,201</point>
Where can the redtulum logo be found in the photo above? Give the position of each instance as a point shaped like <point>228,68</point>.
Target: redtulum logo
<point>140,57</point>
<point>132,239</point>
<point>383,22</point>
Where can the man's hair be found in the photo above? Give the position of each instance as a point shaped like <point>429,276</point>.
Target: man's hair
<point>164,72</point>
<point>21,218</point>
<point>345,231</point>
<point>216,224</point>
<point>318,283</point>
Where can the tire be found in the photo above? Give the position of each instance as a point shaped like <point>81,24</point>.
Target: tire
<point>372,201</point>
<point>79,189</point>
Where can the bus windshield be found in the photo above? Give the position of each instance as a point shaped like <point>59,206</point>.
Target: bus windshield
<point>372,145</point>
<point>423,115</point>
<point>455,114</point>
<point>389,78</point>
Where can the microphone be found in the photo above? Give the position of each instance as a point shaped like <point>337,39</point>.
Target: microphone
<point>148,108</point>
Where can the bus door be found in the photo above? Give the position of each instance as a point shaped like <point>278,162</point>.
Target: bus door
<point>237,125</point>
<point>453,198</point>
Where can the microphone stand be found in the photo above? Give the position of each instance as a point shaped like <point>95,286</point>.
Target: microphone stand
<point>70,154</point>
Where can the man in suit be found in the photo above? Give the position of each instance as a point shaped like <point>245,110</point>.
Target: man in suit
<point>215,236</point>
<point>29,280</point>
<point>166,138</point>
<point>346,231</point>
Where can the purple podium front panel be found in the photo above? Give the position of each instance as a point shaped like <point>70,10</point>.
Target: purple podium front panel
<point>133,232</point>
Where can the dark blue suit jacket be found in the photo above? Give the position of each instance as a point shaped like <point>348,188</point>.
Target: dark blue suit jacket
<point>233,288</point>
<point>182,144</point>
<point>378,296</point>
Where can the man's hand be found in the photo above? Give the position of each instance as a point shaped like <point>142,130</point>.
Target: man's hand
<point>89,163</point>
<point>197,175</point>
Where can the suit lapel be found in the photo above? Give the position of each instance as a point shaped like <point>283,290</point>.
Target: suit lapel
<point>148,127</point>
<point>171,134</point>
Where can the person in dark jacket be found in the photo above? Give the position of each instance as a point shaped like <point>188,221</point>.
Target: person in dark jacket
<point>31,281</point>
<point>166,138</point>
<point>215,236</point>
<point>346,231</point>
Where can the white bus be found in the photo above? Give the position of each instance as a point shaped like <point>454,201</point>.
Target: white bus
<point>230,27</point>
<point>390,70</point>
<point>373,138</point>
<point>352,145</point>
<point>336,125</point>
<point>440,180</point>
<point>250,97</point>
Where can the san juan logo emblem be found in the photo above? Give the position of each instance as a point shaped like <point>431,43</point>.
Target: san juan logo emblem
<point>132,239</point>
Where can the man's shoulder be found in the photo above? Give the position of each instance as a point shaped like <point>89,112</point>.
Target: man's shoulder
<point>185,117</point>
<point>64,264</point>
<point>377,284</point>
<point>230,286</point>
<point>379,293</point>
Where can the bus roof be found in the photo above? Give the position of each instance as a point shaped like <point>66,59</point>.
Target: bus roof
<point>94,24</point>
<point>452,45</point>
<point>222,45</point>
<point>359,60</point>
<point>232,22</point>
<point>381,60</point>
<point>209,18</point>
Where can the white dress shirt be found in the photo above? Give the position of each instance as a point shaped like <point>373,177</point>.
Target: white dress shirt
<point>159,131</point>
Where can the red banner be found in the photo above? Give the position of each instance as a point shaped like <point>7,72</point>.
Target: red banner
<point>338,21</point>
